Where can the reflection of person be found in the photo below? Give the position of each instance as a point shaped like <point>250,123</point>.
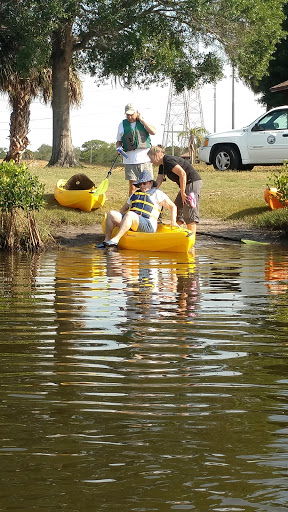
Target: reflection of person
<point>134,136</point>
<point>188,180</point>
<point>141,211</point>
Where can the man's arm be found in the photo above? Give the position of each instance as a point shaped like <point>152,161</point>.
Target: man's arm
<point>183,180</point>
<point>148,127</point>
<point>124,208</point>
<point>159,180</point>
<point>119,135</point>
<point>173,210</point>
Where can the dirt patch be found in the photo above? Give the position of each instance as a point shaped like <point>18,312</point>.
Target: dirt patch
<point>231,231</point>
<point>77,236</point>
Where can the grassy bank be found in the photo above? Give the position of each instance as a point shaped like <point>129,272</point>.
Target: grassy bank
<point>228,196</point>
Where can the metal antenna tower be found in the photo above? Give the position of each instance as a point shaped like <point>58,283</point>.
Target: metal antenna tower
<point>184,111</point>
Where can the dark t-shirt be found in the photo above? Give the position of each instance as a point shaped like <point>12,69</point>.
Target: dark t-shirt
<point>170,161</point>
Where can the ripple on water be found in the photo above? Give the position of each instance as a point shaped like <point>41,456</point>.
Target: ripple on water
<point>144,381</point>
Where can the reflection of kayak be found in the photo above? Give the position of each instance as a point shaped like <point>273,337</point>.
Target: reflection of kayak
<point>84,200</point>
<point>270,196</point>
<point>165,239</point>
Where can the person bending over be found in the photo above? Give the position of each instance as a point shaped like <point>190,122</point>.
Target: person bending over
<point>188,180</point>
<point>141,211</point>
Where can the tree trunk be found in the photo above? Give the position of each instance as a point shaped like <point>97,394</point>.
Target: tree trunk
<point>62,149</point>
<point>20,100</point>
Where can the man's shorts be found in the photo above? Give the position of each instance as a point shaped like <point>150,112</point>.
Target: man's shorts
<point>132,171</point>
<point>185,213</point>
<point>145,225</point>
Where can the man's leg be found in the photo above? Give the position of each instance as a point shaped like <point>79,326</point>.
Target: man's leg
<point>130,220</point>
<point>132,187</point>
<point>192,227</point>
<point>132,172</point>
<point>113,219</point>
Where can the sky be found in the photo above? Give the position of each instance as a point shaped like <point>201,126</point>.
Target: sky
<point>103,107</point>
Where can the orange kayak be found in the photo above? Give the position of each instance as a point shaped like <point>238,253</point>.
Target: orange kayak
<point>270,196</point>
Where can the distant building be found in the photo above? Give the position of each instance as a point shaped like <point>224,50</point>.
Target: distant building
<point>283,88</point>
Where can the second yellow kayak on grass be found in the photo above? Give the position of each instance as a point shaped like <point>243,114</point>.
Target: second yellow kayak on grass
<point>85,200</point>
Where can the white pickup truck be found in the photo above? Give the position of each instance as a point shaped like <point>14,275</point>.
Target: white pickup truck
<point>263,142</point>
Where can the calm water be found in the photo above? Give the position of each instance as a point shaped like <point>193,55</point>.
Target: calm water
<point>145,382</point>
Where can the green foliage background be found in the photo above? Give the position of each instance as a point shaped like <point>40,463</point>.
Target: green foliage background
<point>276,72</point>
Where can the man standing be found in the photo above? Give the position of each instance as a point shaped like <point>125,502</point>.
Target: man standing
<point>134,136</point>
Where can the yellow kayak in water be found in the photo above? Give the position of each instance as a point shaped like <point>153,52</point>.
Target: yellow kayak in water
<point>85,200</point>
<point>164,240</point>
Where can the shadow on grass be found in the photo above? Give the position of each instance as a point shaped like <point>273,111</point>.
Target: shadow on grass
<point>51,203</point>
<point>248,212</point>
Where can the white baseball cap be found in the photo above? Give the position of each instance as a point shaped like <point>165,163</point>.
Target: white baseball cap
<point>130,109</point>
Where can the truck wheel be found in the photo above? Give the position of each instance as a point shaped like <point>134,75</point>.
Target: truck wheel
<point>225,158</point>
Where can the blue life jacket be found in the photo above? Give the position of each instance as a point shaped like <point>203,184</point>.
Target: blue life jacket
<point>142,204</point>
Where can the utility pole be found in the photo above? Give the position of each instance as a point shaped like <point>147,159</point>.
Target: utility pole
<point>215,107</point>
<point>233,97</point>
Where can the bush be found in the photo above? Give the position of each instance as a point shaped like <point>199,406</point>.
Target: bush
<point>21,194</point>
<point>279,180</point>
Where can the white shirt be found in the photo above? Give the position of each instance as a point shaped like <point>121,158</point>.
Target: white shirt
<point>136,156</point>
<point>156,199</point>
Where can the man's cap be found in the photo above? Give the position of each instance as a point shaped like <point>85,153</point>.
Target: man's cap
<point>130,109</point>
<point>144,176</point>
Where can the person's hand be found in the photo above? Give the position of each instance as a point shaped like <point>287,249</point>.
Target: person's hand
<point>184,197</point>
<point>139,117</point>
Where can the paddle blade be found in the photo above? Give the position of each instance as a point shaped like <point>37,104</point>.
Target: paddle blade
<point>101,189</point>
<point>244,241</point>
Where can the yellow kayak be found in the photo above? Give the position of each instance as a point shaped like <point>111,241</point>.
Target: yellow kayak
<point>164,240</point>
<point>270,196</point>
<point>85,200</point>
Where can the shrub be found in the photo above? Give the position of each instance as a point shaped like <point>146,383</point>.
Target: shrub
<point>279,180</point>
<point>21,194</point>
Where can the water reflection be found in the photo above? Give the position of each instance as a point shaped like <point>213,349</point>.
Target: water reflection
<point>144,382</point>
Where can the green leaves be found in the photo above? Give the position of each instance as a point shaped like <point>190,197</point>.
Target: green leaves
<point>19,189</point>
<point>279,180</point>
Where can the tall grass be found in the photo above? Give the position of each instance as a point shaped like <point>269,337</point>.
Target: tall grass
<point>228,196</point>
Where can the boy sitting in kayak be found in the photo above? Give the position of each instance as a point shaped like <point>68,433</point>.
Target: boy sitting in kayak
<point>141,211</point>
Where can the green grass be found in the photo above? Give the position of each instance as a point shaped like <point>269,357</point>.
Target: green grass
<point>227,196</point>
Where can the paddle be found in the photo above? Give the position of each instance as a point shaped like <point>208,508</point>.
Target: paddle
<point>244,241</point>
<point>101,189</point>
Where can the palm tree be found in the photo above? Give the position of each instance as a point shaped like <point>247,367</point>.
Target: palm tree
<point>21,92</point>
<point>196,136</point>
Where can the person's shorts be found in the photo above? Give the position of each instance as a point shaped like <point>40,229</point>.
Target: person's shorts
<point>185,213</point>
<point>132,171</point>
<point>145,225</point>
